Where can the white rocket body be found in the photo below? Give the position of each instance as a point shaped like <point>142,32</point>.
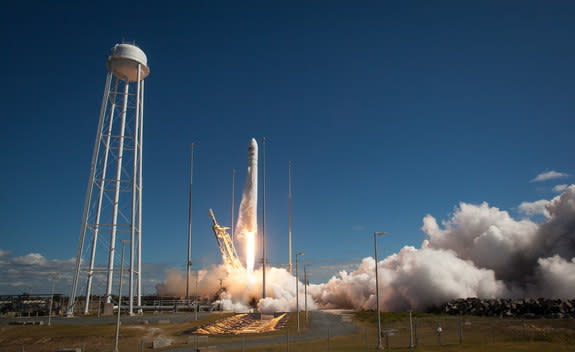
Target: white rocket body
<point>247,225</point>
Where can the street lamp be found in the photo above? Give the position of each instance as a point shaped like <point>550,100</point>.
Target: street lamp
<point>51,301</point>
<point>120,296</point>
<point>189,263</point>
<point>305,284</point>
<point>297,287</point>
<point>375,234</point>
<point>196,300</point>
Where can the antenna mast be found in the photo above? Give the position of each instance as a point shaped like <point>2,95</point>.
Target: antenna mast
<point>233,203</point>
<point>289,219</point>
<point>264,226</point>
<point>189,262</point>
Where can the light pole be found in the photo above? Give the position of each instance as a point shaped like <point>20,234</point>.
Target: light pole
<point>120,296</point>
<point>411,345</point>
<point>51,301</point>
<point>297,287</point>
<point>197,308</point>
<point>233,204</point>
<point>305,283</point>
<point>264,223</point>
<point>189,263</point>
<point>99,305</point>
<point>290,255</point>
<point>375,234</point>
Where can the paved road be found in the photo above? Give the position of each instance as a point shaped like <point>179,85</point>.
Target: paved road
<point>126,319</point>
<point>322,323</point>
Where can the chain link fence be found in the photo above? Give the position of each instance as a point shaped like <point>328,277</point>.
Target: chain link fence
<point>422,332</point>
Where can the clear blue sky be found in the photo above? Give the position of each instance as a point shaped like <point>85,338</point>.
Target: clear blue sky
<point>389,111</point>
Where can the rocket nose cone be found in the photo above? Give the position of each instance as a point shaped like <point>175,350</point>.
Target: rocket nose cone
<point>253,145</point>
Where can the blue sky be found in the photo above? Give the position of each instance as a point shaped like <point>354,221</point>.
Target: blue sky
<point>388,110</point>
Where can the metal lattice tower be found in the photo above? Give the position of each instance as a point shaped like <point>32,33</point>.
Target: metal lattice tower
<point>113,203</point>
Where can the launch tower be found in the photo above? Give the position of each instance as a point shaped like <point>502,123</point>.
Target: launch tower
<point>225,243</point>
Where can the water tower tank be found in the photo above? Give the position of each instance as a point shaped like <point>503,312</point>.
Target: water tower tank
<point>123,62</point>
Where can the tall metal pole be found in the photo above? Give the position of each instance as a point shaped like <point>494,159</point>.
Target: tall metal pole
<point>189,262</point>
<point>297,291</point>
<point>379,345</point>
<point>375,234</point>
<point>233,204</point>
<point>410,330</point>
<point>51,302</point>
<point>140,188</point>
<point>297,287</point>
<point>264,224</point>
<point>134,215</point>
<point>120,297</point>
<point>305,283</point>
<point>197,307</point>
<point>289,219</point>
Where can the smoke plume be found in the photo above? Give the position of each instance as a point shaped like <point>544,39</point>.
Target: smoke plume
<point>239,290</point>
<point>481,251</point>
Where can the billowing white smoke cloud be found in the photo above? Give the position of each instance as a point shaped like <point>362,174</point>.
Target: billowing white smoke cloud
<point>556,277</point>
<point>487,236</point>
<point>412,278</point>
<point>534,208</point>
<point>243,290</point>
<point>480,252</point>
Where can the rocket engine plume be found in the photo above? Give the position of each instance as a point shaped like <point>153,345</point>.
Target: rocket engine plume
<point>247,225</point>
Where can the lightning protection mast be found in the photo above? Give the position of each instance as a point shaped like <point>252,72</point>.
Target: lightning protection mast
<point>290,256</point>
<point>113,203</point>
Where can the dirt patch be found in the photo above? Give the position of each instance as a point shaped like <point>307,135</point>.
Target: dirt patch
<point>147,331</point>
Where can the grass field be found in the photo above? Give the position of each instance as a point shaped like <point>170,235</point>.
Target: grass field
<point>464,333</point>
<point>133,338</point>
<point>457,334</point>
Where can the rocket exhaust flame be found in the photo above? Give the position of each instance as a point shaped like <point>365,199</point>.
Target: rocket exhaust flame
<point>250,251</point>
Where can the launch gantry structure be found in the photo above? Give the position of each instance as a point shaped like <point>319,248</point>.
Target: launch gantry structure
<point>225,243</point>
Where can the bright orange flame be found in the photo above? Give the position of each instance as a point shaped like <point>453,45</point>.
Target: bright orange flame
<point>250,251</point>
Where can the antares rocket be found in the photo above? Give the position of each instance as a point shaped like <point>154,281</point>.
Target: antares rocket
<point>247,221</point>
<point>247,225</point>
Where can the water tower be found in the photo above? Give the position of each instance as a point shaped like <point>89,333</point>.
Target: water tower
<point>113,204</point>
